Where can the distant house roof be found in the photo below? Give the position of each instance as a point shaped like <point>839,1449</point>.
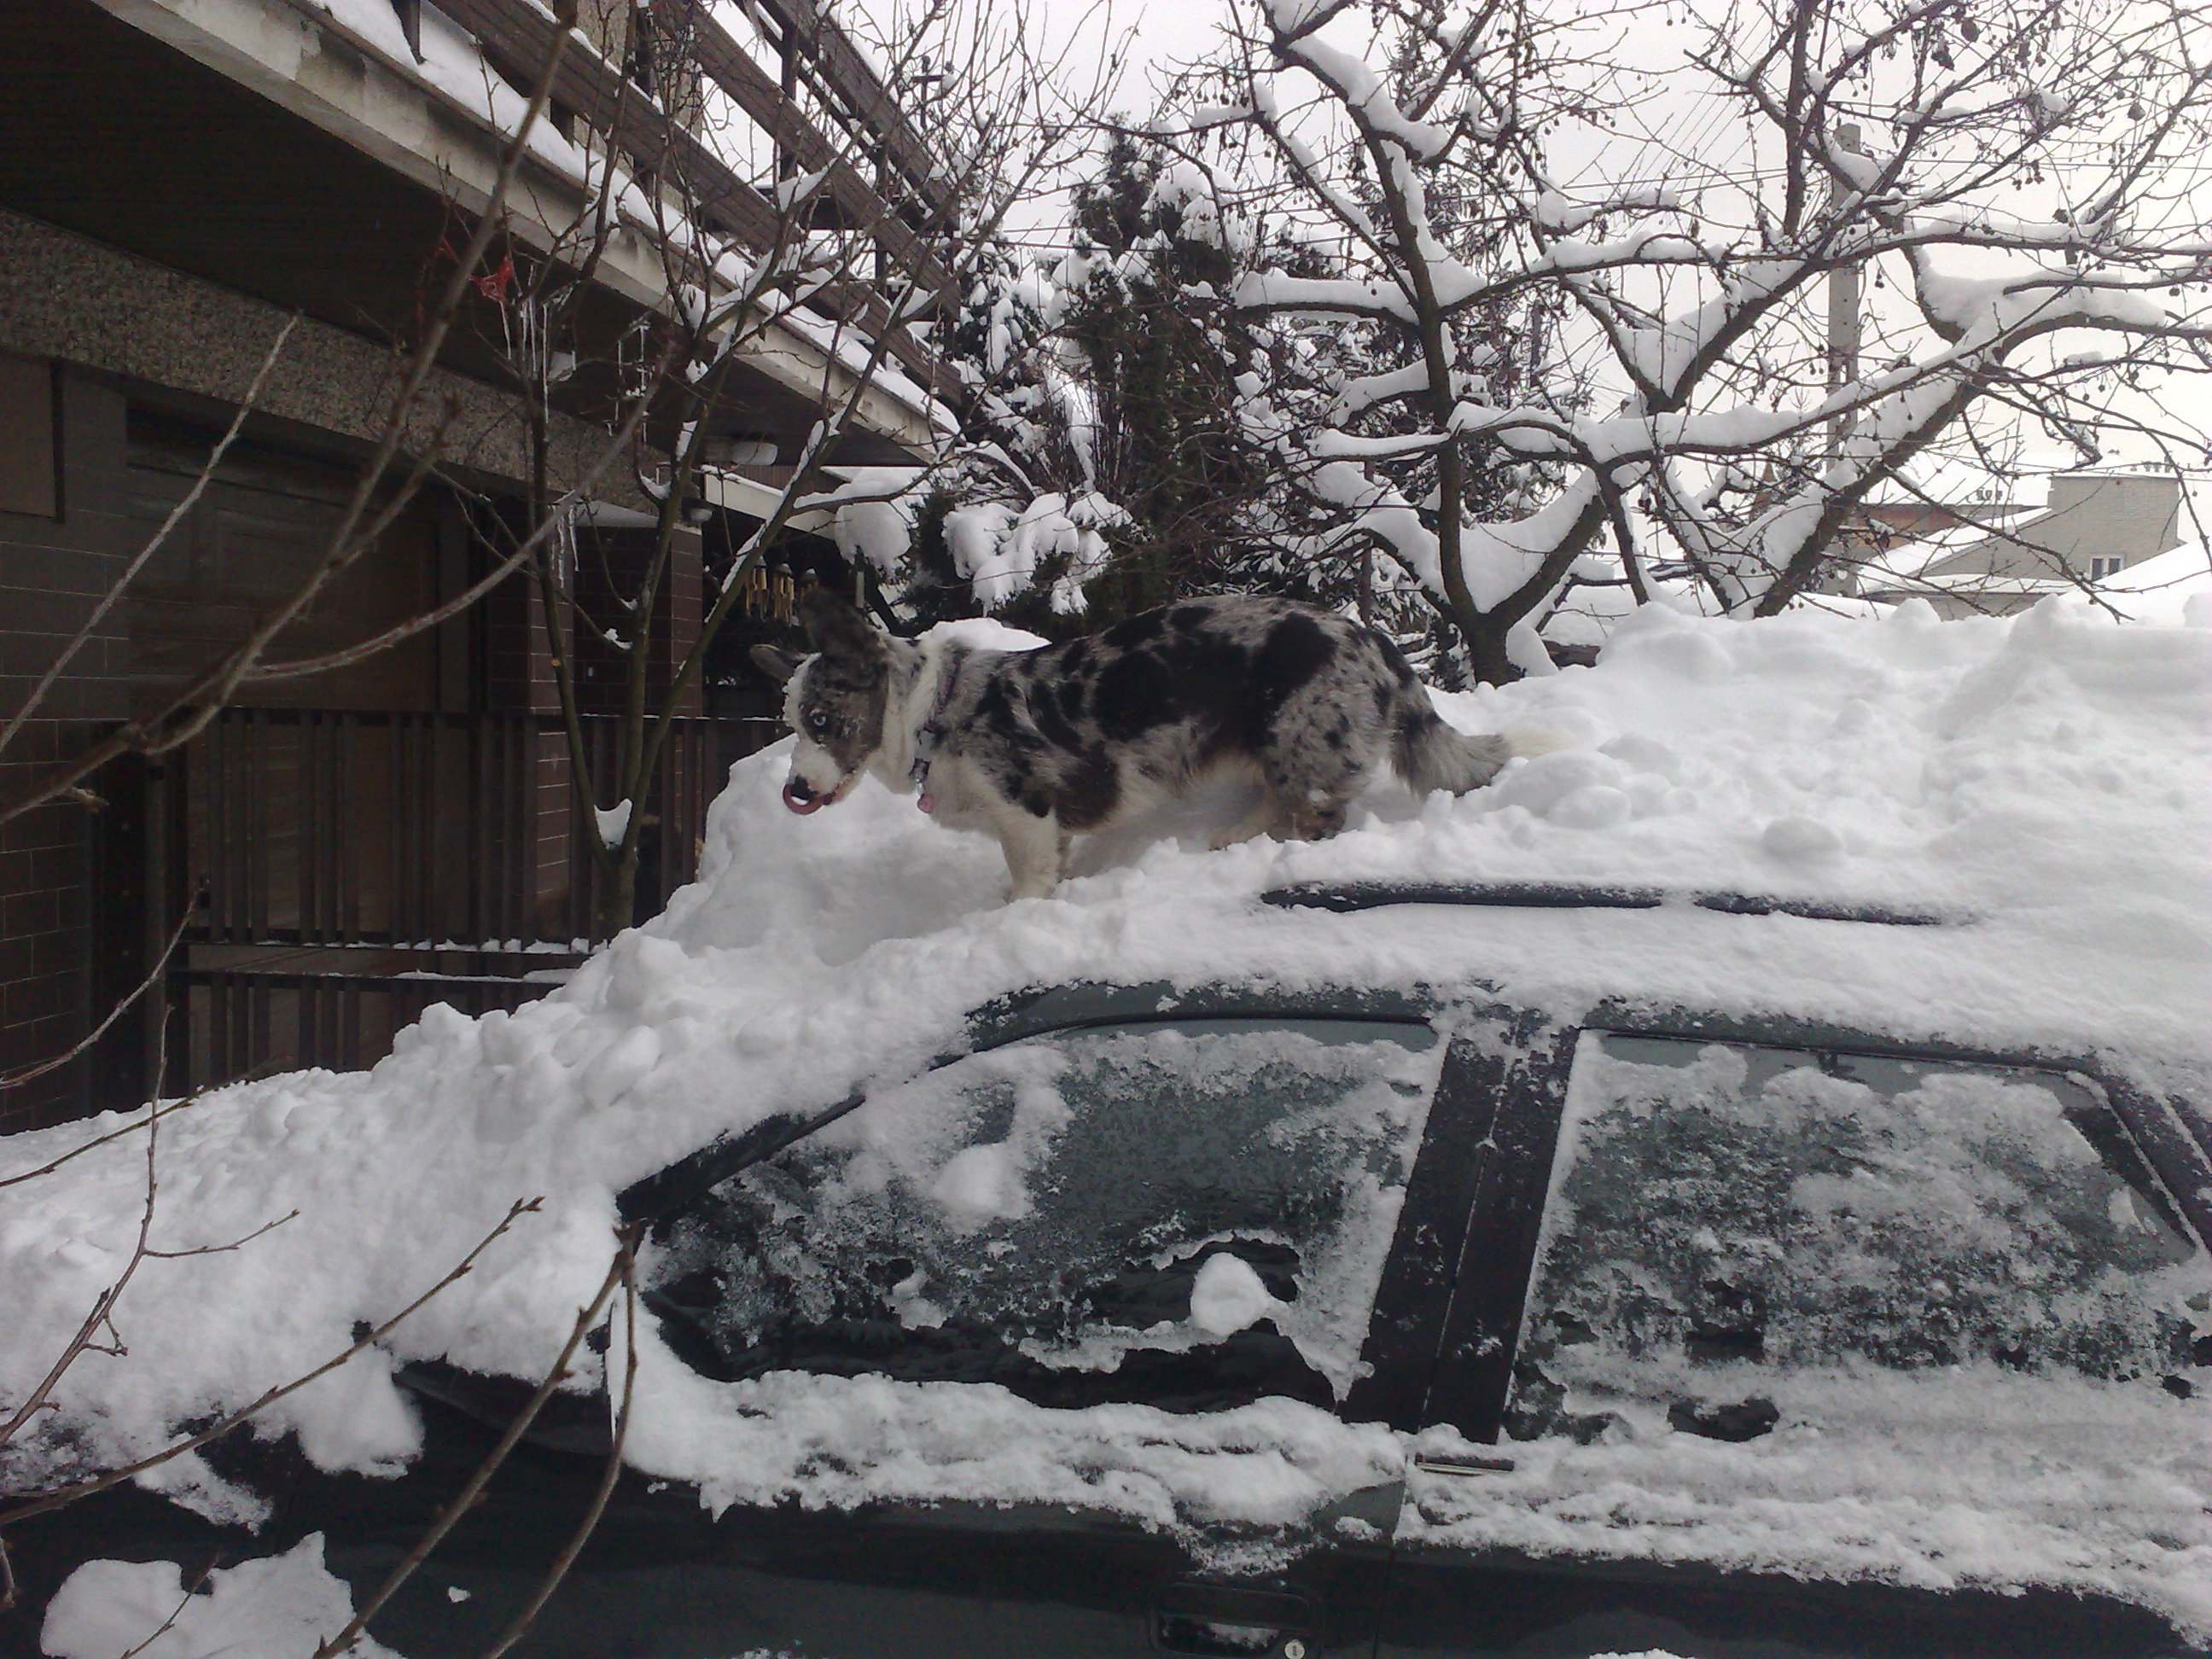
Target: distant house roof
<point>2172,588</point>
<point>2092,520</point>
<point>1912,560</point>
<point>2129,516</point>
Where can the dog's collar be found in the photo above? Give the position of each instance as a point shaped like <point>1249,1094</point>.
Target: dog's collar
<point>926,740</point>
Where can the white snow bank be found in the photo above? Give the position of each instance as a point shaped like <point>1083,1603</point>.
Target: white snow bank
<point>281,1607</point>
<point>2046,775</point>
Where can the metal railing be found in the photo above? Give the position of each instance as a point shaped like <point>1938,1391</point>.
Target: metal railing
<point>517,33</point>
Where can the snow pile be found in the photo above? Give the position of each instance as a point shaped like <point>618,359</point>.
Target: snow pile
<point>2043,778</point>
<point>281,1607</point>
<point>835,1442</point>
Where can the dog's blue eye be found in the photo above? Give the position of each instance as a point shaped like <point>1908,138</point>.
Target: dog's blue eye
<point>818,720</point>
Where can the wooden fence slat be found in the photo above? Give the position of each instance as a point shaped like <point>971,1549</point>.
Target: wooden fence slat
<point>234,1018</point>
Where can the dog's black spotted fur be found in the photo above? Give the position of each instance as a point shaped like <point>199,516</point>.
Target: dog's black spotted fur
<point>1039,746</point>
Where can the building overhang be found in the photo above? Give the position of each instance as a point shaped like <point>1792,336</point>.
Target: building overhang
<point>264,146</point>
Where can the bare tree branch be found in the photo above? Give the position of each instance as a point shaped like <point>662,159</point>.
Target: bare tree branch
<point>462,1501</point>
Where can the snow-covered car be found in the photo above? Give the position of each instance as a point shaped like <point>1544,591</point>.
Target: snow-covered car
<point>1720,1275</point>
<point>1292,1251</point>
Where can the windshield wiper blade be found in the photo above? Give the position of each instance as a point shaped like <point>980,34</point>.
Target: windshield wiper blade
<point>1346,898</point>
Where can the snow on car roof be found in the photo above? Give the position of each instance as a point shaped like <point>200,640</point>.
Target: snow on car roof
<point>2044,776</point>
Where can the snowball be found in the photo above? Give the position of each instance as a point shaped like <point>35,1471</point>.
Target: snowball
<point>980,1184</point>
<point>1227,1296</point>
<point>1801,841</point>
<point>1595,807</point>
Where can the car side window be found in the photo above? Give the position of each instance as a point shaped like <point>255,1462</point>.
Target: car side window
<point>1724,1216</point>
<point>1189,1214</point>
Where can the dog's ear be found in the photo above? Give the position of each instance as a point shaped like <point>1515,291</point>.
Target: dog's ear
<point>778,666</point>
<point>838,630</point>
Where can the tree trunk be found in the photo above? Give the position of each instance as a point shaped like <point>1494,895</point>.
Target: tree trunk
<point>617,905</point>
<point>1487,659</point>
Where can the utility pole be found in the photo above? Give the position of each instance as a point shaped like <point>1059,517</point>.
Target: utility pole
<point>1844,366</point>
<point>1842,315</point>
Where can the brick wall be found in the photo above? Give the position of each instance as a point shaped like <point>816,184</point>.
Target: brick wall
<point>54,963</point>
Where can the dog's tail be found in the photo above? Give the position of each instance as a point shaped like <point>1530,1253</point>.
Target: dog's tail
<point>1430,754</point>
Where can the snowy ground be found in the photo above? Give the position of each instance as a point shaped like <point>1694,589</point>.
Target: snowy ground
<point>2046,776</point>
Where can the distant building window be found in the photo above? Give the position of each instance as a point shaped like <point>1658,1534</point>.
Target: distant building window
<point>2101,569</point>
<point>30,474</point>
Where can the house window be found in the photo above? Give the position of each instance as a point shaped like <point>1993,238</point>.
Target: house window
<point>30,472</point>
<point>2101,569</point>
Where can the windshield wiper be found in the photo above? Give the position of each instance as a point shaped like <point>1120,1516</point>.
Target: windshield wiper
<point>1346,898</point>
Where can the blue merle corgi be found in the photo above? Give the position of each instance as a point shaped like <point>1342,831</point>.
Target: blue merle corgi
<point>1036,747</point>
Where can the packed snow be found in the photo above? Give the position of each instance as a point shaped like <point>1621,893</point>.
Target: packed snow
<point>280,1607</point>
<point>2042,780</point>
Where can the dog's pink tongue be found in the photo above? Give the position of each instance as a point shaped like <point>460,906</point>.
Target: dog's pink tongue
<point>927,804</point>
<point>798,803</point>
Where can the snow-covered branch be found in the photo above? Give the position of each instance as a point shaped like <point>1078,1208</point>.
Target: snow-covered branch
<point>1541,346</point>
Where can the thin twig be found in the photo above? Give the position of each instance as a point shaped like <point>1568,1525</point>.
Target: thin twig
<point>505,567</point>
<point>609,1475</point>
<point>176,1614</point>
<point>234,1244</point>
<point>29,1073</point>
<point>158,1111</point>
<point>465,1500</point>
<point>103,1306</point>
<point>190,709</point>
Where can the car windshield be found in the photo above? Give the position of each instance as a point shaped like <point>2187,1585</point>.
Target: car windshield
<point>1187,1212</point>
<point>1724,1205</point>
